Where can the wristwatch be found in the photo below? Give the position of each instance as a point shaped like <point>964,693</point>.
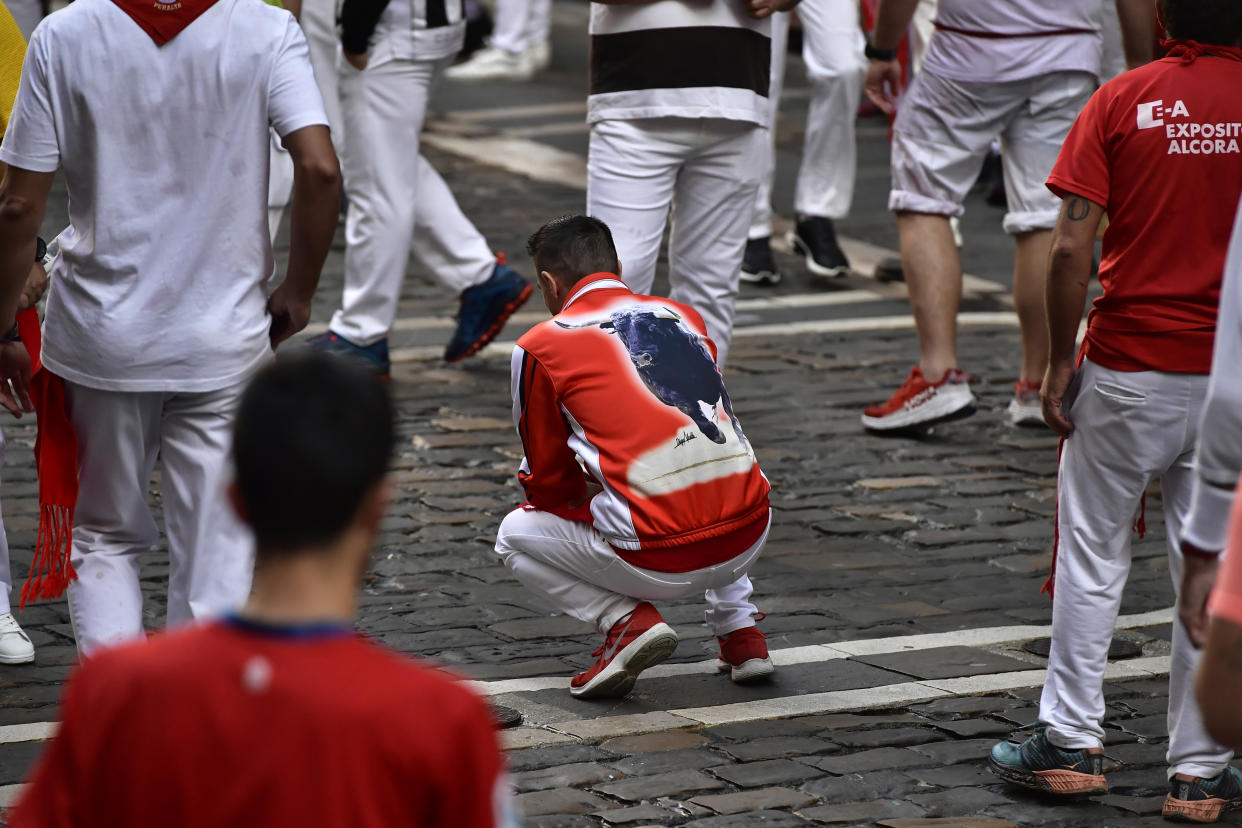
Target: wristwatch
<point>40,249</point>
<point>873,53</point>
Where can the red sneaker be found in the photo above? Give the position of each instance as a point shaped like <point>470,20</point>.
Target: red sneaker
<point>636,642</point>
<point>744,652</point>
<point>922,403</point>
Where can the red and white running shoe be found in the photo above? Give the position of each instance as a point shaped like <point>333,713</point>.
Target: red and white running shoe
<point>744,654</point>
<point>922,403</point>
<point>1025,409</point>
<point>636,642</point>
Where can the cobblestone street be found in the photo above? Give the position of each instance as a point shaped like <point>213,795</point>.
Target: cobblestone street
<point>901,579</point>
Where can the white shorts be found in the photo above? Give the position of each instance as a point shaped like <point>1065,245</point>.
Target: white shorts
<point>944,128</point>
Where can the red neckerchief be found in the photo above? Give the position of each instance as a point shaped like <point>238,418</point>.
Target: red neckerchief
<point>56,459</point>
<point>1189,50</point>
<point>162,19</point>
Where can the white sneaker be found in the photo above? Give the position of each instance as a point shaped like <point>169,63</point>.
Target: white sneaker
<point>15,646</point>
<point>490,63</point>
<point>1025,408</point>
<point>541,54</point>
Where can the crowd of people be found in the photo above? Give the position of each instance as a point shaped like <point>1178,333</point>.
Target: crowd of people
<point>158,337</point>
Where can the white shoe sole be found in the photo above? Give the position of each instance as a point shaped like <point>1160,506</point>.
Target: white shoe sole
<point>617,679</point>
<point>748,671</point>
<point>763,277</point>
<point>21,658</point>
<point>1025,415</point>
<point>951,402</point>
<point>798,246</point>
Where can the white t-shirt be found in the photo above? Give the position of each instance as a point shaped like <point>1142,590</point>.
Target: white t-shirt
<point>971,57</point>
<point>419,30</point>
<point>160,283</point>
<point>671,58</point>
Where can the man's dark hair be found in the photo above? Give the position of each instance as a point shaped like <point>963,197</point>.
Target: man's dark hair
<point>572,248</point>
<point>1218,22</point>
<point>314,434</point>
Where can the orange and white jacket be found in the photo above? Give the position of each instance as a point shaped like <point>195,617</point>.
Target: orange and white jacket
<point>629,385</point>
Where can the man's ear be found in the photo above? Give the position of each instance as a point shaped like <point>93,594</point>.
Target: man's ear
<point>239,505</point>
<point>374,506</point>
<point>619,269</point>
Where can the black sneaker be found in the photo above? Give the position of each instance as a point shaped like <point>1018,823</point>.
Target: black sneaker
<point>1204,800</point>
<point>815,239</point>
<point>758,267</point>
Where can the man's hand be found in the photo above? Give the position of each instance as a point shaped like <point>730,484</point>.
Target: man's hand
<point>358,61</point>
<point>36,286</point>
<point>290,313</point>
<point>760,9</point>
<point>1198,577</point>
<point>881,84</point>
<point>1056,380</point>
<point>15,372</point>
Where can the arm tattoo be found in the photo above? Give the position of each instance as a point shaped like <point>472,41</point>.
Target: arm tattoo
<point>1077,209</point>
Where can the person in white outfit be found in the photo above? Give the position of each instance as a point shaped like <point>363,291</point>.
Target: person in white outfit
<point>832,48</point>
<point>159,310</point>
<point>680,143</point>
<point>394,53</point>
<point>1129,405</point>
<point>519,47</point>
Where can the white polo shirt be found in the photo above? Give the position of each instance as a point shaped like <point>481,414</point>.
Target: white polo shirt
<point>670,58</point>
<point>1015,39</point>
<point>160,283</point>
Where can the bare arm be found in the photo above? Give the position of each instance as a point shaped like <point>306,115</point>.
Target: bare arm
<point>23,201</point>
<point>313,219</point>
<point>1069,273</point>
<point>1219,685</point>
<point>1138,27</point>
<point>883,77</point>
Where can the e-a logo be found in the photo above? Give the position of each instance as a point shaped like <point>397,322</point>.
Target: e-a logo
<point>1152,113</point>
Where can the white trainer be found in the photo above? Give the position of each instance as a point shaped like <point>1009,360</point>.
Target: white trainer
<point>15,646</point>
<point>1025,408</point>
<point>490,63</point>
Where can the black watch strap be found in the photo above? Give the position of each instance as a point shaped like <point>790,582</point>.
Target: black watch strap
<point>873,53</point>
<point>13,335</point>
<point>41,247</point>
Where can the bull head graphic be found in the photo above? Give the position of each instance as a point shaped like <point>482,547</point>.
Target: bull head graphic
<point>672,362</point>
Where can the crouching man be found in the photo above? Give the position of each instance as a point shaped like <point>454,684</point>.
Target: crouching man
<point>671,502</point>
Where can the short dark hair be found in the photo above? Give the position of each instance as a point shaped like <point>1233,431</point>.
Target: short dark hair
<point>314,434</point>
<point>572,248</point>
<point>1218,22</point>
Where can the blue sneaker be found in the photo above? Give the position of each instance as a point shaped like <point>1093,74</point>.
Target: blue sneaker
<point>1203,800</point>
<point>485,309</point>
<point>373,356</point>
<point>1039,765</point>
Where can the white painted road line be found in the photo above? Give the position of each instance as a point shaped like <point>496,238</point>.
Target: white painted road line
<point>9,794</point>
<point>35,732</point>
<point>985,319</point>
<point>811,704</point>
<point>815,653</point>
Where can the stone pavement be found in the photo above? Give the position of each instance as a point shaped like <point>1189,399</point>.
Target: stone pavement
<point>901,580</point>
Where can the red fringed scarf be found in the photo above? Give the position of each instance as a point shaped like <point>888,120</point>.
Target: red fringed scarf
<point>56,458</point>
<point>164,20</point>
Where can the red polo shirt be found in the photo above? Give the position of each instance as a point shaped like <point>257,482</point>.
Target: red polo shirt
<point>1160,148</point>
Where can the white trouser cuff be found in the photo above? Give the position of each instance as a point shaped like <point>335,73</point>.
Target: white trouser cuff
<point>904,201</point>
<point>1018,223</point>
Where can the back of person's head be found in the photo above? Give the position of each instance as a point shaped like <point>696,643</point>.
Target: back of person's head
<point>1218,22</point>
<point>313,437</point>
<point>572,248</point>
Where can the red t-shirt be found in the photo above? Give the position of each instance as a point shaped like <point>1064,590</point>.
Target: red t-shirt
<point>236,725</point>
<point>1160,148</point>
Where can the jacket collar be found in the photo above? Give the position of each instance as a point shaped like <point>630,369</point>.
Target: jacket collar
<point>596,281</point>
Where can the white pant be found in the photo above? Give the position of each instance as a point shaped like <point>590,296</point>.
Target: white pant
<point>946,127</point>
<point>210,551</point>
<point>521,24</point>
<point>319,24</point>
<point>383,108</point>
<point>704,169</point>
<point>832,48</point>
<point>1129,428</point>
<point>573,567</point>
